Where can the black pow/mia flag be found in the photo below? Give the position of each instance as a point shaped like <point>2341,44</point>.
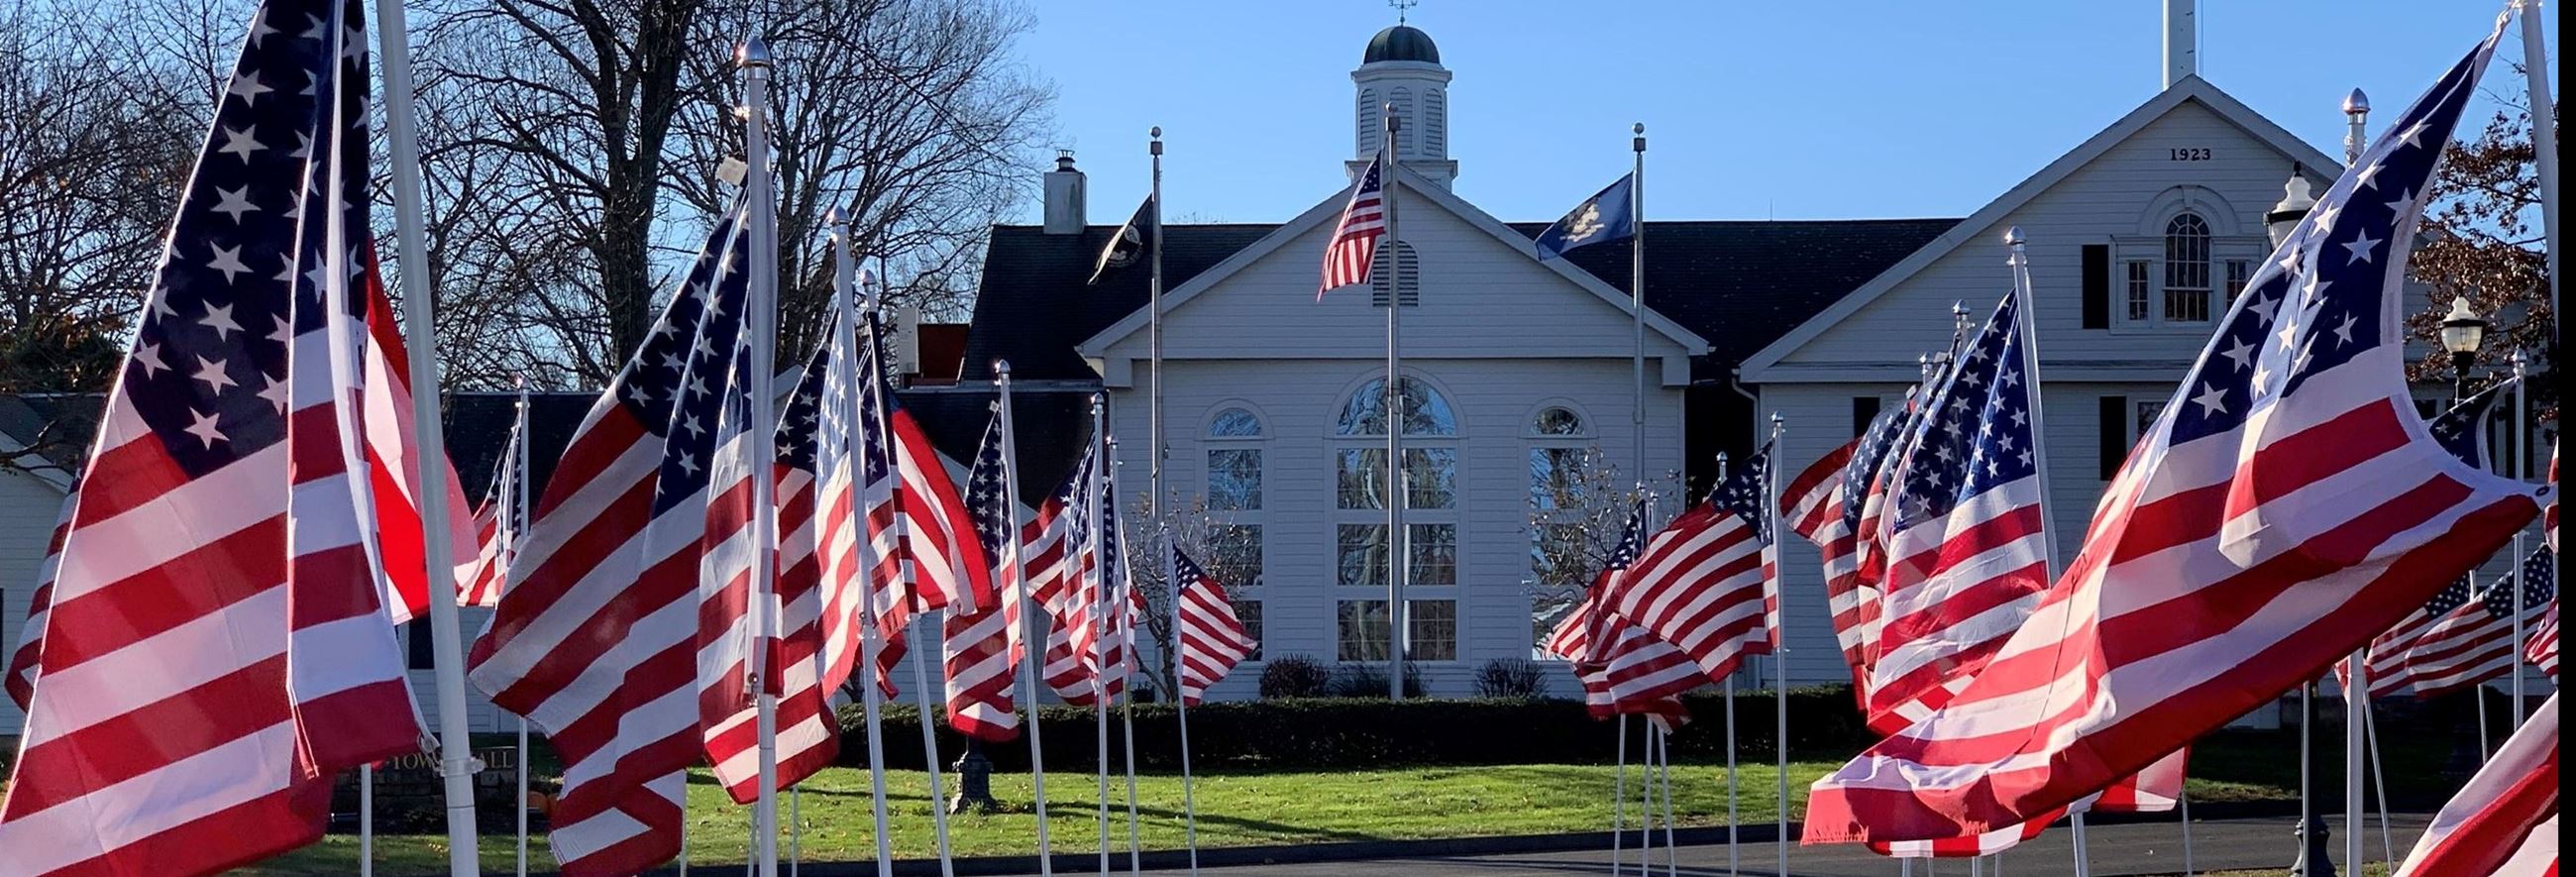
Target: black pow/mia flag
<point>1127,247</point>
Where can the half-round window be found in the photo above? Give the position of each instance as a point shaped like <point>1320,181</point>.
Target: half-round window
<point>1426,412</point>
<point>1556,421</point>
<point>1235,423</point>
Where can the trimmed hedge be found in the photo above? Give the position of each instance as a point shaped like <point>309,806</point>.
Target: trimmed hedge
<point>1340,733</point>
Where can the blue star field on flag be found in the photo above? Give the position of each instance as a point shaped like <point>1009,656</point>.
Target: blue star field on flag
<point>1976,432</point>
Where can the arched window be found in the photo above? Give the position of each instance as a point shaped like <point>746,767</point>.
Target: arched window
<point>1561,452</point>
<point>2186,287</point>
<point>1362,552</point>
<point>1233,548</point>
<point>1405,273</point>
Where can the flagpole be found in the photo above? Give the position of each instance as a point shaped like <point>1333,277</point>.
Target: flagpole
<point>1734,853</point>
<point>862,335</point>
<point>1779,655</point>
<point>1646,799</point>
<point>2018,260</point>
<point>1398,553</point>
<point>761,312</point>
<point>1637,299</point>
<point>1126,664</point>
<point>2184,800</point>
<point>2379,784</point>
<point>1664,767</point>
<point>2544,142</point>
<point>510,525</point>
<point>1154,323</point>
<point>1619,801</point>
<point>930,743</point>
<point>1098,580</point>
<point>2356,692</point>
<point>1181,699</point>
<point>411,245</point>
<point>1032,642</point>
<point>2521,472</point>
<point>367,815</point>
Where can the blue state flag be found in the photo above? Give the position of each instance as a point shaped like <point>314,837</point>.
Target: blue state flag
<point>1607,216</point>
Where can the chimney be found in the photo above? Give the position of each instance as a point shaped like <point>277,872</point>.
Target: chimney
<point>1065,213</point>
<point>2182,40</point>
<point>907,340</point>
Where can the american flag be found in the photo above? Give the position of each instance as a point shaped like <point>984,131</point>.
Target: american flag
<point>1636,675</point>
<point>1967,546</point>
<point>2462,429</point>
<point>2281,510</point>
<point>1353,247</point>
<point>979,645</point>
<point>933,530</point>
<point>1091,647</point>
<point>2460,642</point>
<point>20,676</point>
<point>595,640</point>
<point>1812,504</point>
<point>2504,823</point>
<point>215,574</point>
<point>479,581</point>
<point>1708,583</point>
<point>1213,641</point>
<point>2541,648</point>
<point>1878,487</point>
<point>1599,628</point>
<point>387,439</point>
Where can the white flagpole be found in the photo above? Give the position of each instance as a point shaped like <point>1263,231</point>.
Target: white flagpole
<point>684,836</point>
<point>930,741</point>
<point>2379,784</point>
<point>2184,799</point>
<point>1664,765</point>
<point>1734,853</point>
<point>862,342</point>
<point>2544,141</point>
<point>367,817</point>
<point>1399,553</point>
<point>1032,639</point>
<point>1779,657</point>
<point>796,831</point>
<point>1646,800</point>
<point>411,245</point>
<point>2356,692</point>
<point>1619,803</point>
<point>2025,302</point>
<point>761,312</point>
<point>510,524</point>
<point>1180,653</point>
<point>2521,472</point>
<point>2478,693</point>
<point>1098,580</point>
<point>1126,663</point>
<point>1637,300</point>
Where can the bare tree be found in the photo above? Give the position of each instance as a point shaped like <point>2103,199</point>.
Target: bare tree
<point>1580,503</point>
<point>1229,552</point>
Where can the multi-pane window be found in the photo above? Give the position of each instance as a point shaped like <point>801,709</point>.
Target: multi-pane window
<point>2148,411</point>
<point>1249,612</point>
<point>1234,554</point>
<point>2238,271</point>
<point>2135,293</point>
<point>1560,451</point>
<point>1430,478</point>
<point>1362,557</point>
<point>1234,479</point>
<point>2186,287</point>
<point>1360,554</point>
<point>1360,630</point>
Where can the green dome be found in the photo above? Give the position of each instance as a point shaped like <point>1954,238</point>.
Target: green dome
<point>1401,43</point>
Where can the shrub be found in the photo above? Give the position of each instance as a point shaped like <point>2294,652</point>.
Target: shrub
<point>1372,732</point>
<point>1364,679</point>
<point>1510,677</point>
<point>1294,676</point>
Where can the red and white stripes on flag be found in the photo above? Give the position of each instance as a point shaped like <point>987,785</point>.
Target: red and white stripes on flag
<point>479,581</point>
<point>1213,641</point>
<point>216,647</point>
<point>2155,790</point>
<point>2469,642</point>
<point>980,647</point>
<point>1636,674</point>
<point>1707,583</point>
<point>2541,648</point>
<point>392,454</point>
<point>2287,504</point>
<point>1352,249</point>
<point>19,678</point>
<point>1812,505</point>
<point>2504,823</point>
<point>595,639</point>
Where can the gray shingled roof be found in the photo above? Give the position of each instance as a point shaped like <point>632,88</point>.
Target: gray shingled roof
<point>1738,284</point>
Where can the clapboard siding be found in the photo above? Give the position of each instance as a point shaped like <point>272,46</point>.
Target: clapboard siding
<point>28,508</point>
<point>1299,402</point>
<point>2113,195</point>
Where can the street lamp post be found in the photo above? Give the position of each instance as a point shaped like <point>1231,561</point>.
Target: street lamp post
<point>2463,332</point>
<point>2313,861</point>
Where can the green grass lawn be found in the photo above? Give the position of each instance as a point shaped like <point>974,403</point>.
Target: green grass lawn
<point>1234,809</point>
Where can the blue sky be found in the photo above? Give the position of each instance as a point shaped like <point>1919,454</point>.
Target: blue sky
<point>1804,110</point>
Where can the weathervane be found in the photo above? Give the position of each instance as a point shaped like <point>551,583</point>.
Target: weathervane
<point>1401,6</point>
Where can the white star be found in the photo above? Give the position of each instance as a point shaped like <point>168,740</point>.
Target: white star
<point>690,423</point>
<point>161,308</point>
<point>219,318</point>
<point>315,274</point>
<point>2212,400</point>
<point>228,260</point>
<point>2239,353</point>
<point>2411,136</point>
<point>240,143</point>
<point>313,28</point>
<point>275,392</point>
<point>234,203</point>
<point>698,385</point>
<point>204,428</point>
<point>2326,215</point>
<point>2398,206</point>
<point>635,393</point>
<point>245,85</point>
<point>2361,247</point>
<point>689,463</point>
<point>212,373</point>
<point>282,332</point>
<point>2263,379</point>
<point>303,150</point>
<point>2343,333</point>
<point>149,357</point>
<point>353,43</point>
<point>2369,177</point>
<point>259,29</point>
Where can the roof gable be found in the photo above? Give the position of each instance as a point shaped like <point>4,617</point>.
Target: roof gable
<point>1415,191</point>
<point>2192,90</point>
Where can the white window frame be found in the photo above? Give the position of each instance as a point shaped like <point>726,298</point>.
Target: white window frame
<point>1451,517</point>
